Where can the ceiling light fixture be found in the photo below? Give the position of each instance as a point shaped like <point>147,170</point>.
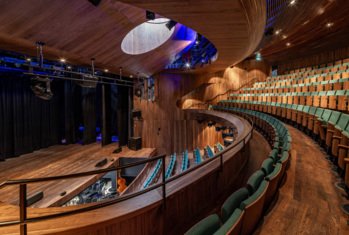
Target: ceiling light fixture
<point>28,59</point>
<point>292,2</point>
<point>329,24</point>
<point>288,44</point>
<point>187,65</point>
<point>62,60</point>
<point>284,36</point>
<point>106,70</point>
<point>277,32</point>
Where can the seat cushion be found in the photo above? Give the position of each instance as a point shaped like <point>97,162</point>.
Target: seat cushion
<point>262,187</point>
<point>267,166</point>
<point>206,226</point>
<point>254,181</point>
<point>233,202</point>
<point>232,220</point>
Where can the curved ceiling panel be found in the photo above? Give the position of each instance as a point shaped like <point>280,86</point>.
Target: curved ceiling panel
<point>78,30</point>
<point>235,27</point>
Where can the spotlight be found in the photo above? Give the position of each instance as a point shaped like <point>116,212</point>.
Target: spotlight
<point>41,87</point>
<point>131,76</point>
<point>69,67</point>
<point>88,81</point>
<point>62,60</point>
<point>106,70</point>
<point>149,15</point>
<point>277,32</point>
<point>187,65</point>
<point>28,59</point>
<point>288,44</point>
<point>171,24</point>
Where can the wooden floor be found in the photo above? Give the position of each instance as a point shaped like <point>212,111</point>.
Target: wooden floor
<point>59,160</point>
<point>308,202</point>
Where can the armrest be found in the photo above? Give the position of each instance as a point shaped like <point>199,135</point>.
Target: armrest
<point>324,126</point>
<point>331,131</point>
<point>341,146</point>
<point>336,137</point>
<point>346,160</point>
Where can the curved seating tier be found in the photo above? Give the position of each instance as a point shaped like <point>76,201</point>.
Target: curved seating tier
<point>314,99</point>
<point>243,209</point>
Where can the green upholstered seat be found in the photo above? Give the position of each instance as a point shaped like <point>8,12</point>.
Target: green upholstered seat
<point>343,122</point>
<point>274,155</point>
<point>267,166</point>
<point>206,226</point>
<point>284,157</point>
<point>325,117</point>
<point>312,110</point>
<point>319,112</point>
<point>334,117</point>
<point>262,186</point>
<point>233,202</point>
<point>230,223</point>
<point>254,181</point>
<point>275,172</point>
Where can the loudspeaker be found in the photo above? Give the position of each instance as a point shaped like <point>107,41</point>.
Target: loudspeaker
<point>136,113</point>
<point>95,2</point>
<point>135,143</point>
<point>150,15</point>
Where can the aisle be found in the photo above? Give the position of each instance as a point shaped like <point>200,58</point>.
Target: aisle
<point>308,202</point>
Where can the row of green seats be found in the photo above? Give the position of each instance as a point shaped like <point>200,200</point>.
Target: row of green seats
<point>243,209</point>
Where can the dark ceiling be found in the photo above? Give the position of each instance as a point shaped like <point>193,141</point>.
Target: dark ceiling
<point>305,28</point>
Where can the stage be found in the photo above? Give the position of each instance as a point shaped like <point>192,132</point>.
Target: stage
<point>60,160</point>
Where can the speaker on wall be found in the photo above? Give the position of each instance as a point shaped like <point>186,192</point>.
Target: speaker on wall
<point>95,2</point>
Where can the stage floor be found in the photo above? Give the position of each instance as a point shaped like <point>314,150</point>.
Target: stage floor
<point>60,160</point>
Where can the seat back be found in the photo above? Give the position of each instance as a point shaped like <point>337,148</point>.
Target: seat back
<point>233,224</point>
<point>253,207</point>
<point>206,226</point>
<point>326,115</point>
<point>267,166</point>
<point>233,202</point>
<point>334,117</point>
<point>343,121</point>
<point>254,181</point>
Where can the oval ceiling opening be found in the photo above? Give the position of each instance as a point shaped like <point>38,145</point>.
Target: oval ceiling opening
<point>147,37</point>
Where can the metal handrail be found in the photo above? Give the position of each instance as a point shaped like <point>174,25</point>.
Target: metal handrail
<point>23,221</point>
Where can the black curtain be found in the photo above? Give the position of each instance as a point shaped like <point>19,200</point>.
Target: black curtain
<point>121,106</point>
<point>27,122</point>
<point>89,115</point>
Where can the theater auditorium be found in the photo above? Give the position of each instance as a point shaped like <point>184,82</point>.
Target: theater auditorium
<point>170,117</point>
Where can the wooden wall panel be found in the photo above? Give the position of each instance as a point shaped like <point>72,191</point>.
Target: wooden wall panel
<point>325,57</point>
<point>212,88</point>
<point>167,127</point>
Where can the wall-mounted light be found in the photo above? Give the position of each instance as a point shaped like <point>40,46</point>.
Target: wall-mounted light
<point>329,24</point>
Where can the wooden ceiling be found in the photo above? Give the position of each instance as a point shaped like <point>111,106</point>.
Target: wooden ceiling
<point>78,31</point>
<point>304,26</point>
<point>235,27</point>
